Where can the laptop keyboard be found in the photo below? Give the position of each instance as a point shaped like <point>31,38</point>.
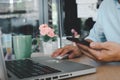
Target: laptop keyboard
<point>27,68</point>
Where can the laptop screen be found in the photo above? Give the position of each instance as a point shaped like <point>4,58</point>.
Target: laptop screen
<point>3,73</point>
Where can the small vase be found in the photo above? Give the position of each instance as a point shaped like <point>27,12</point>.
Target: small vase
<point>49,47</point>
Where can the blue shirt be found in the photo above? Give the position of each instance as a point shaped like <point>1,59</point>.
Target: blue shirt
<point>107,26</point>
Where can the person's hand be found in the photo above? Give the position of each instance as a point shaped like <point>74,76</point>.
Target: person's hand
<point>75,52</point>
<point>107,51</point>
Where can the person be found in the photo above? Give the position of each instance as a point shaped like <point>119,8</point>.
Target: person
<point>103,37</point>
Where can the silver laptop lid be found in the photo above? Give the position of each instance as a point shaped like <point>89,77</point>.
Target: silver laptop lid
<point>3,72</point>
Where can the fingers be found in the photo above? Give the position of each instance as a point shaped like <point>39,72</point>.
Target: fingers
<point>87,54</point>
<point>71,56</point>
<point>97,45</point>
<point>61,52</point>
<point>65,51</point>
<point>57,52</point>
<point>89,51</point>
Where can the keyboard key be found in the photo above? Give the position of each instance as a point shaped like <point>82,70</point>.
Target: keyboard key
<point>27,68</point>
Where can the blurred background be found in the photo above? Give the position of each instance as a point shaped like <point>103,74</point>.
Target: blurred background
<point>23,17</point>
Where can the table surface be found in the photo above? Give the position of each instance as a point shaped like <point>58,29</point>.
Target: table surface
<point>105,71</point>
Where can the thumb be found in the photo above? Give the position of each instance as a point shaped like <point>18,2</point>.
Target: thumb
<point>97,45</point>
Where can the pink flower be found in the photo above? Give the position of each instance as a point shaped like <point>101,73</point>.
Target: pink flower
<point>47,33</point>
<point>44,29</point>
<point>51,33</point>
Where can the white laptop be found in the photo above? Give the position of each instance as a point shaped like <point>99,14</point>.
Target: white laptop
<point>42,68</point>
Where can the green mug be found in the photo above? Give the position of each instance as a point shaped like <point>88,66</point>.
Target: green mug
<point>22,45</point>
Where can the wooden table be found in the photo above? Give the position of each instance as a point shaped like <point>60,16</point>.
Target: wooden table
<point>105,71</point>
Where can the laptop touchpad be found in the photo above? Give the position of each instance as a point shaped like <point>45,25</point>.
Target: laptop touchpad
<point>53,61</point>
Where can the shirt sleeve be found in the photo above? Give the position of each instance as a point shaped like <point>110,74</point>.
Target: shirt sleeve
<point>97,33</point>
